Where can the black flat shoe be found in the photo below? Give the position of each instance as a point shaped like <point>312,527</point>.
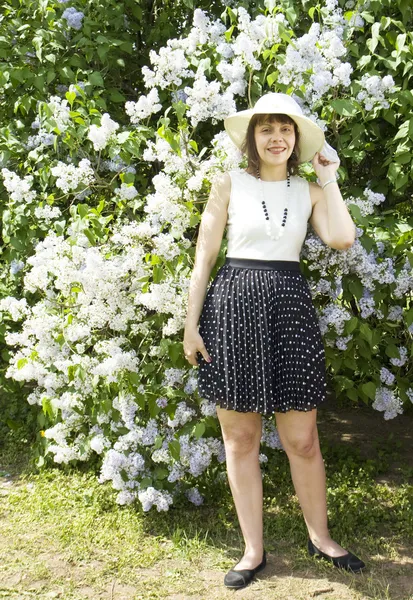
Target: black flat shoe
<point>240,579</point>
<point>348,561</point>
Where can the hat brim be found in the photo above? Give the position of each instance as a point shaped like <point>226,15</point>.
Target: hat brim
<point>311,135</point>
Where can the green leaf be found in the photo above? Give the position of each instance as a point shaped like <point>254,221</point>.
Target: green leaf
<point>351,325</point>
<point>96,79</point>
<point>122,137</point>
<point>369,389</point>
<point>158,442</point>
<point>392,351</point>
<point>161,472</point>
<point>175,449</point>
<point>70,97</point>
<point>116,96</point>
<point>16,243</point>
<point>403,131</point>
<point>199,430</point>
<point>367,333</point>
<point>409,316</point>
<point>346,108</point>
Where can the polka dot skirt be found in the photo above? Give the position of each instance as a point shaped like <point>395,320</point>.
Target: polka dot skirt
<point>260,327</point>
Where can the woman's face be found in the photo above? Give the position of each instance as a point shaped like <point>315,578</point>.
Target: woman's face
<point>275,142</point>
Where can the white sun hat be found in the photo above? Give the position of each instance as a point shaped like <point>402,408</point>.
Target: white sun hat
<point>311,135</point>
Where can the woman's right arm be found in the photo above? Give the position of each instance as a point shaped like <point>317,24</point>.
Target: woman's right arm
<point>213,222</point>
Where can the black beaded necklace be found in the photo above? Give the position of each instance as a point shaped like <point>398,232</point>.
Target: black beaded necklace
<point>281,230</point>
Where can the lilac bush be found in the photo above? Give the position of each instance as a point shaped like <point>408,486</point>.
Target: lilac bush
<point>101,215</point>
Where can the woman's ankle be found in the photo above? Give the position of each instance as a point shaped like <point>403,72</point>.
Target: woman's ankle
<point>255,550</point>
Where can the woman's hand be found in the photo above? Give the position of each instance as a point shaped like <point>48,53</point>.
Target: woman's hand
<point>324,168</point>
<point>194,343</point>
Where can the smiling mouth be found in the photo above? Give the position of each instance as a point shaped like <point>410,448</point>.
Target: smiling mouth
<point>274,151</point>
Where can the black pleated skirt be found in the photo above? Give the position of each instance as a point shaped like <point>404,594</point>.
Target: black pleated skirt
<point>260,327</point>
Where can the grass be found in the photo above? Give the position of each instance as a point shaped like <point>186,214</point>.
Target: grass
<point>63,536</point>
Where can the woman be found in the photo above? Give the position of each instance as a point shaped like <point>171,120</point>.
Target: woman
<point>259,345</point>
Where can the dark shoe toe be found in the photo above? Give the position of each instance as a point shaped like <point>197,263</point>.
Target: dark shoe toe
<point>235,579</point>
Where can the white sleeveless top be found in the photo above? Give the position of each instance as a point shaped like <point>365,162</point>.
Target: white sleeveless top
<point>246,224</point>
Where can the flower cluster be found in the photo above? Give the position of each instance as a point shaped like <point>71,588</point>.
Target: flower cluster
<point>387,402</point>
<point>73,17</point>
<point>69,177</point>
<point>319,52</point>
<point>100,136</point>
<point>60,110</point>
<point>19,189</point>
<point>144,107</point>
<point>374,90</point>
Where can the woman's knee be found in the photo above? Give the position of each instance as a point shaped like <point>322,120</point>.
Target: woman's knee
<point>298,433</point>
<point>304,444</point>
<point>241,432</point>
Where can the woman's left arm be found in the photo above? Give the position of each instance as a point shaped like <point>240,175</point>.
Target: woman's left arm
<point>339,224</point>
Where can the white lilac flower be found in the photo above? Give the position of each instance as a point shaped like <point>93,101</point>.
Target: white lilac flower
<point>194,496</point>
<point>161,455</point>
<point>374,90</point>
<point>43,138</point>
<point>152,497</point>
<point>387,402</point>
<point>208,408</point>
<point>126,497</point>
<point>399,362</point>
<point>170,67</point>
<point>126,192</point>
<point>334,316</point>
<point>73,17</point>
<point>47,213</point>
<point>366,204</point>
<point>164,246</point>
<point>319,51</point>
<point>176,473</point>
<point>144,107</point>
<point>395,313</point>
<point>17,308</point>
<point>127,407</point>
<point>183,414</point>
<point>60,111</point>
<point>386,376</point>
<point>341,342</point>
<point>101,136</point>
<point>98,443</point>
<point>206,101</point>
<point>16,266</point>
<point>162,402</point>
<point>404,281</point>
<point>70,177</point>
<point>19,189</point>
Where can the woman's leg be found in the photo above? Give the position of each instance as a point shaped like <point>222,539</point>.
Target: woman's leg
<point>241,433</point>
<point>299,437</point>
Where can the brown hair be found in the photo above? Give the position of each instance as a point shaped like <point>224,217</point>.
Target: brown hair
<point>249,147</point>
